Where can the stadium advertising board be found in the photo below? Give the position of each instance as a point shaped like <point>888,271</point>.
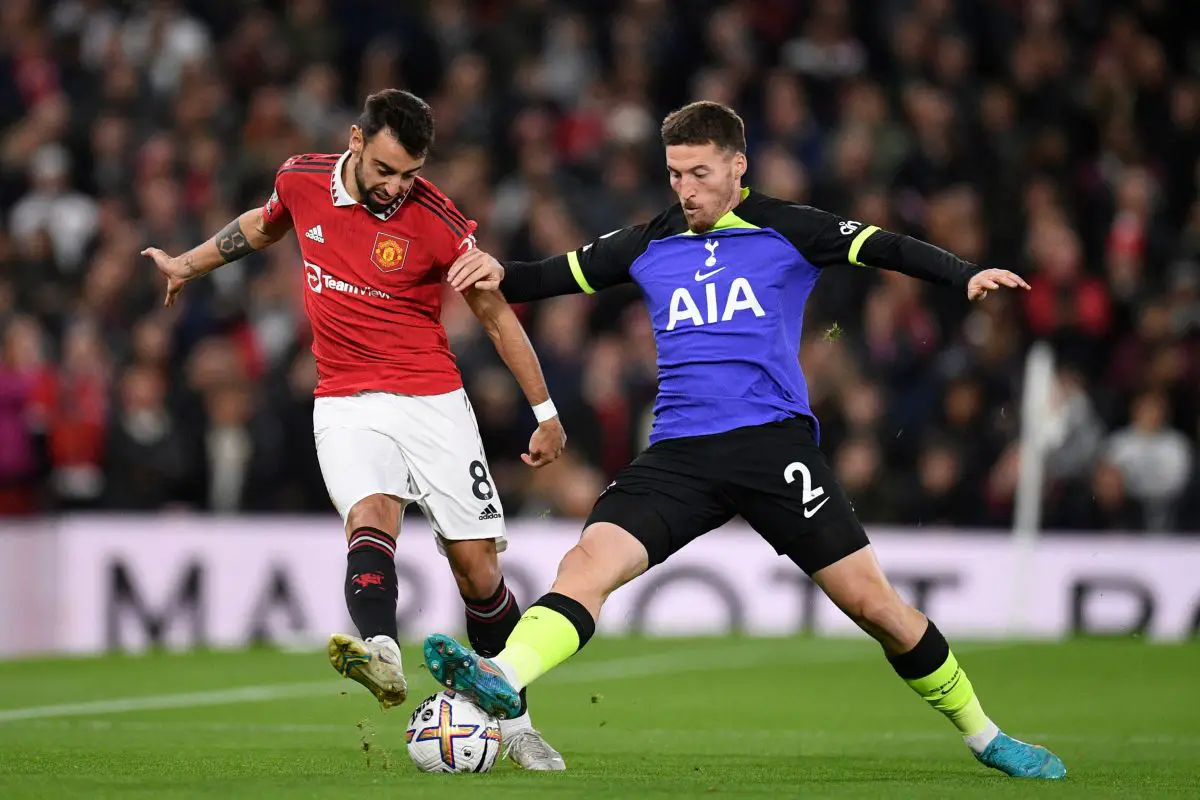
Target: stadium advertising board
<point>127,583</point>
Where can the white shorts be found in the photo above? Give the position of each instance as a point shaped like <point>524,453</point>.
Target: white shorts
<point>422,449</point>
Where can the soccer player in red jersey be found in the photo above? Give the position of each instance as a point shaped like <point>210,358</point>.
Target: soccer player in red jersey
<point>392,422</point>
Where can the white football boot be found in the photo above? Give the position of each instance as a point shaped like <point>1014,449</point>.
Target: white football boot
<point>373,662</point>
<point>529,750</point>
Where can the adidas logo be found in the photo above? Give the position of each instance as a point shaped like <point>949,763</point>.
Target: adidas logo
<point>316,234</point>
<point>489,513</point>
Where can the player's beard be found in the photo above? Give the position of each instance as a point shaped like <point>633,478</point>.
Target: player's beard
<point>373,204</point>
<point>703,219</point>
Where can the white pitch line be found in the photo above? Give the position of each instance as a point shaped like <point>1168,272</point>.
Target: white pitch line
<point>670,663</point>
<point>612,669</point>
<point>214,727</point>
<point>625,667</point>
<point>154,702</point>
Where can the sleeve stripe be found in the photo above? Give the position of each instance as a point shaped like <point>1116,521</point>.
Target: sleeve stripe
<point>454,227</point>
<point>435,198</point>
<point>309,161</point>
<point>577,271</point>
<point>858,242</point>
<point>312,170</point>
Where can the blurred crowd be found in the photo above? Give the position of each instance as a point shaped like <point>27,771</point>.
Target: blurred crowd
<point>1054,137</point>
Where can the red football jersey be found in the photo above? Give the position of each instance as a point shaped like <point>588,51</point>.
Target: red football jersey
<point>374,294</point>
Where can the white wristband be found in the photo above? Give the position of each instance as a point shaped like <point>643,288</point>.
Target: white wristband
<point>545,411</point>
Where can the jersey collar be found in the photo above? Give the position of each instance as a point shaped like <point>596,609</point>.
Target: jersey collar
<point>342,197</point>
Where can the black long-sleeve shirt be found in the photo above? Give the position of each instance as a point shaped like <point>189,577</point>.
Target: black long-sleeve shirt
<point>822,238</point>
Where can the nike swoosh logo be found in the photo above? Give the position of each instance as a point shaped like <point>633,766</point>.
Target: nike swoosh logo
<point>707,275</point>
<point>808,512</point>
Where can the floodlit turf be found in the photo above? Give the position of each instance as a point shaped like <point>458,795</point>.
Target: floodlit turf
<point>684,718</point>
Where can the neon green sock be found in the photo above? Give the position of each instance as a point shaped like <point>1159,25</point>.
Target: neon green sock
<point>542,640</point>
<point>948,690</point>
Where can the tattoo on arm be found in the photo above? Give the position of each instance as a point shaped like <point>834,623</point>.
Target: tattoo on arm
<point>231,242</point>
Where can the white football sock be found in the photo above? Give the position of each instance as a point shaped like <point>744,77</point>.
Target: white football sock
<point>387,641</point>
<point>978,742</point>
<point>509,727</point>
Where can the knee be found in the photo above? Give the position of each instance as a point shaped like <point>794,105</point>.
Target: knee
<point>578,562</point>
<point>475,566</point>
<point>584,575</point>
<point>877,606</point>
<point>602,560</point>
<point>379,511</point>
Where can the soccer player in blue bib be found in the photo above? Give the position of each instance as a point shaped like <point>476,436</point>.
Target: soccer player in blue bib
<point>726,274</point>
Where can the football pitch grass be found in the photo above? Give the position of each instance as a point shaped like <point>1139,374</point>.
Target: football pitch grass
<point>634,718</point>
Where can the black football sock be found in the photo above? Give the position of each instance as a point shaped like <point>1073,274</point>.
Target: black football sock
<point>490,621</point>
<point>371,588</point>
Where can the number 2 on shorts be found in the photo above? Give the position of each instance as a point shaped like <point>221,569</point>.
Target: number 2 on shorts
<point>809,492</point>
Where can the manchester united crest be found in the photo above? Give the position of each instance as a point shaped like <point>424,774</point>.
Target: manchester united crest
<point>389,252</point>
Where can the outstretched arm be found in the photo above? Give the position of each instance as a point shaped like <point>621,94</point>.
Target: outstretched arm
<point>521,281</point>
<point>241,237</point>
<point>603,263</point>
<point>513,345</point>
<point>828,240</point>
<point>880,248</point>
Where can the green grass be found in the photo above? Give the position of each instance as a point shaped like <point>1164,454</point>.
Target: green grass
<point>659,718</point>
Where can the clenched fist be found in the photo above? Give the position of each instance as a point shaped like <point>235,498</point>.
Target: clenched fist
<point>546,444</point>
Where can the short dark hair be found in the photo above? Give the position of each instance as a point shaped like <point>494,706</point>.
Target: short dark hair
<point>408,117</point>
<point>705,122</point>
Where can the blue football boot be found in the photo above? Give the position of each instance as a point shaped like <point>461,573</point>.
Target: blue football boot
<point>1020,760</point>
<point>478,679</point>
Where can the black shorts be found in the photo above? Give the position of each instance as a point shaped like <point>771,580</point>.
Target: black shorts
<point>774,476</point>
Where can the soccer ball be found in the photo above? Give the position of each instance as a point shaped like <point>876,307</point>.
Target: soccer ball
<point>446,733</point>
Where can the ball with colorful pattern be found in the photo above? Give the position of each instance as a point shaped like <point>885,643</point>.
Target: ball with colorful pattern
<point>447,733</point>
